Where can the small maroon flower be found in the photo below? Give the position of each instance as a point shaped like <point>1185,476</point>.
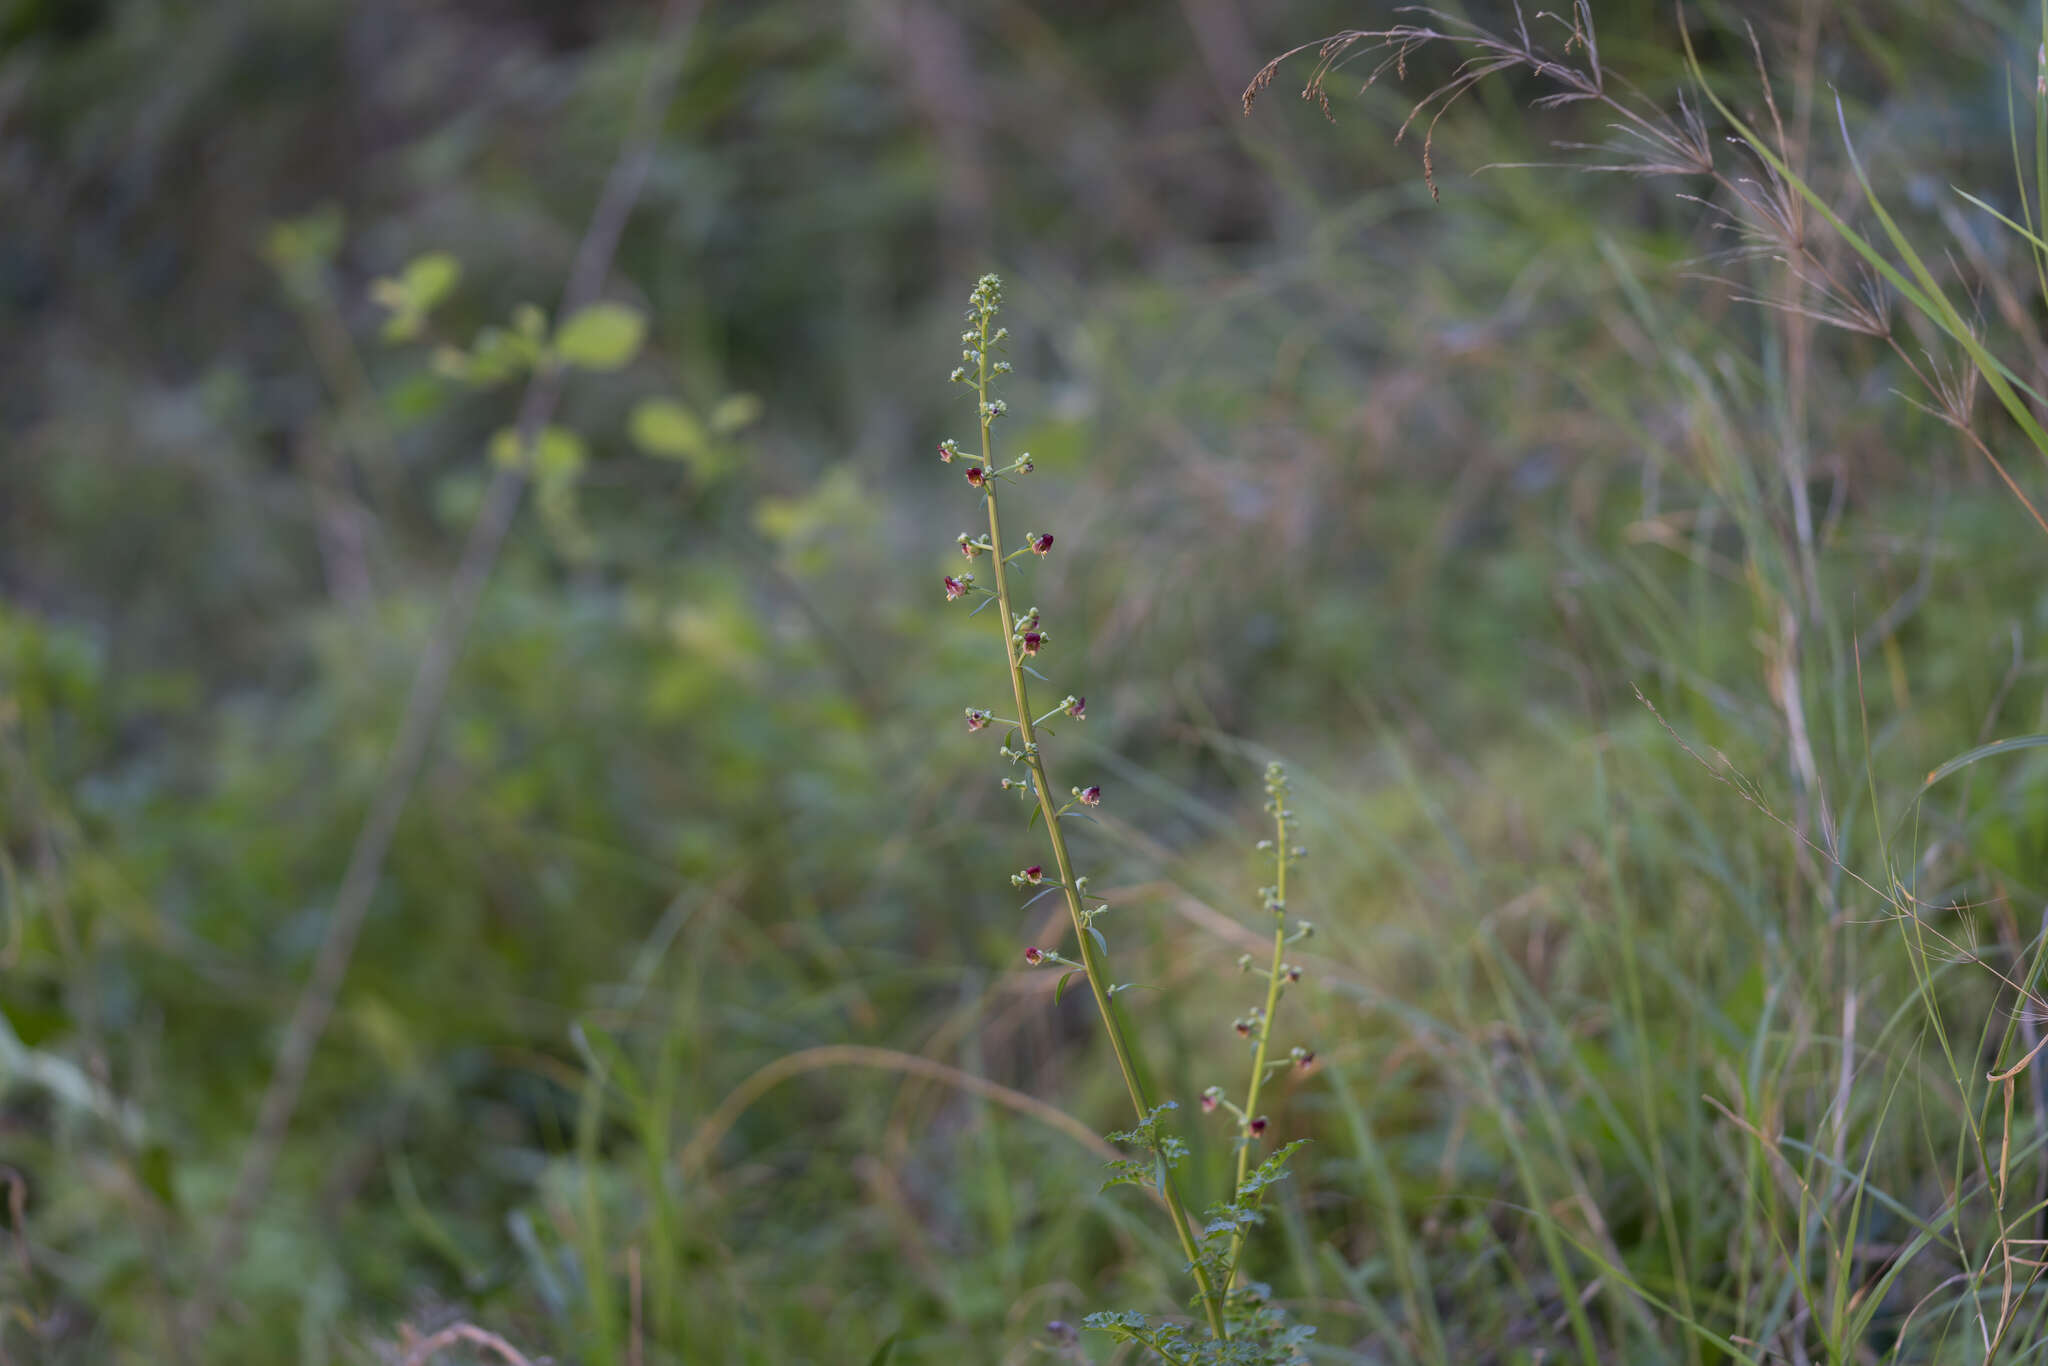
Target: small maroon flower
<point>1244,1028</point>
<point>1034,956</point>
<point>1042,544</point>
<point>1078,709</point>
<point>1257,1126</point>
<point>1034,641</point>
<point>977,476</point>
<point>977,719</point>
<point>1305,1058</point>
<point>1210,1099</point>
<point>1293,973</point>
<point>1035,874</point>
<point>969,548</point>
<point>1091,795</point>
<point>956,588</point>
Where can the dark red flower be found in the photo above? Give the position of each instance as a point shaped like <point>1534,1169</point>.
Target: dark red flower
<point>1293,973</point>
<point>1257,1126</point>
<point>956,588</point>
<point>1043,543</point>
<point>1034,641</point>
<point>1305,1058</point>
<point>1210,1099</point>
<point>1078,709</point>
<point>946,452</point>
<point>976,475</point>
<point>1091,796</point>
<point>1035,874</point>
<point>977,719</point>
<point>1034,956</point>
<point>1244,1027</point>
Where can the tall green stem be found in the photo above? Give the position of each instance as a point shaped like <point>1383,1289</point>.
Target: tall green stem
<point>1091,958</point>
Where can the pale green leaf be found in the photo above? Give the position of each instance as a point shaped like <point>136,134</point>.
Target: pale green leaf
<point>601,337</point>
<point>664,427</point>
<point>558,453</point>
<point>735,411</point>
<point>428,279</point>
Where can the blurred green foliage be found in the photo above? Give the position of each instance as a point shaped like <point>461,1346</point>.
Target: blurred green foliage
<point>1410,494</point>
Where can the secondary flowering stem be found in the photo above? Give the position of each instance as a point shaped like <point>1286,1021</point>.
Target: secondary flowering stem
<point>1273,974</point>
<point>1091,957</point>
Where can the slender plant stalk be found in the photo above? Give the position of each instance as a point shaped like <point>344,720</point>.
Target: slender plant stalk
<point>1091,957</point>
<point>1265,1025</point>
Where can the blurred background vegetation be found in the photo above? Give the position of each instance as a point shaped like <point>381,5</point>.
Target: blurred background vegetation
<point>1411,495</point>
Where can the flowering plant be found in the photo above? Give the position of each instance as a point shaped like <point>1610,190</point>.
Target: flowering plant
<point>1241,1325</point>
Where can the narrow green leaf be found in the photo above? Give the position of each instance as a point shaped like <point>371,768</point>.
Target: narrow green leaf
<point>1061,989</point>
<point>1100,942</point>
<point>2019,177</point>
<point>601,337</point>
<point>2038,244</point>
<point>2040,143</point>
<point>1990,751</point>
<point>1935,304</point>
<point>885,1351</point>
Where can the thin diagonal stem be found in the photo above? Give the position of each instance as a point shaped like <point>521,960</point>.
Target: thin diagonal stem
<point>1091,958</point>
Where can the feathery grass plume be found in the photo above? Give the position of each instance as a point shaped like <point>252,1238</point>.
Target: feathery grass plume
<point>1241,1327</point>
<point>1773,213</point>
